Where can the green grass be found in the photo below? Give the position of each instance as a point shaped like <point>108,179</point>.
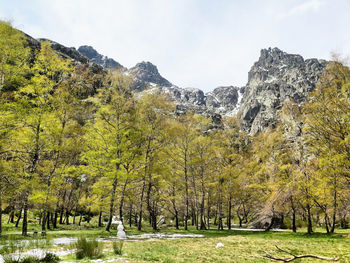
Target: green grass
<point>239,246</point>
<point>88,248</point>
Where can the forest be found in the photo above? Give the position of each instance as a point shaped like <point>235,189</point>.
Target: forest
<point>77,143</point>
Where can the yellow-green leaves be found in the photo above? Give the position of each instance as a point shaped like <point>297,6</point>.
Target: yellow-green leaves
<point>14,56</point>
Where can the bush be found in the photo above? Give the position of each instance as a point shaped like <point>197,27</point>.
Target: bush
<point>49,258</point>
<point>118,247</point>
<point>29,259</point>
<point>88,248</point>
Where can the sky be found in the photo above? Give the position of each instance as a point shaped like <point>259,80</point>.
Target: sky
<point>194,43</point>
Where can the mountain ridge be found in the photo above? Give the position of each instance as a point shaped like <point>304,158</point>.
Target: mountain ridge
<point>275,77</point>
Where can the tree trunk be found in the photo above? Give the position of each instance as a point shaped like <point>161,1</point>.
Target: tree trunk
<point>193,219</point>
<point>229,213</point>
<point>67,217</point>
<point>139,225</point>
<point>121,204</point>
<point>202,220</point>
<point>208,204</point>
<point>130,216</point>
<point>25,216</point>
<point>186,192</point>
<point>343,222</point>
<point>80,219</point>
<point>48,220</point>
<point>43,221</point>
<point>326,222</point>
<point>136,219</point>
<point>334,206</point>
<point>309,219</point>
<point>144,182</point>
<point>176,219</point>
<point>220,225</point>
<point>100,219</point>
<point>61,215</point>
<point>294,227</point>
<point>52,218</point>
<point>0,213</point>
<point>19,217</point>
<point>12,217</point>
<point>239,216</point>
<point>54,223</point>
<point>111,205</point>
<point>273,219</point>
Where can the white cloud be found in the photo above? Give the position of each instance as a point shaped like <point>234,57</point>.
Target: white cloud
<point>194,43</point>
<point>300,9</point>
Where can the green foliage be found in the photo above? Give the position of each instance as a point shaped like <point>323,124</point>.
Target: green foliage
<point>49,258</point>
<point>14,59</point>
<point>118,247</point>
<point>75,140</point>
<point>92,248</point>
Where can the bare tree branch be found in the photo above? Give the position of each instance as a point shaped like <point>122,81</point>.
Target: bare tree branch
<point>294,257</point>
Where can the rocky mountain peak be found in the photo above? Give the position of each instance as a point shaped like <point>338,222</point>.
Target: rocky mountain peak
<point>146,74</point>
<point>68,52</point>
<point>99,59</point>
<point>275,77</point>
<point>275,56</point>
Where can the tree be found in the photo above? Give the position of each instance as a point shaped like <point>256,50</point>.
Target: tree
<point>14,58</point>
<point>13,70</point>
<point>113,135</point>
<point>35,106</point>
<point>153,111</point>
<point>327,132</point>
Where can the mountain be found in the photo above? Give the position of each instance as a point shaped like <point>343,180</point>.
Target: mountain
<point>276,77</point>
<point>68,52</point>
<point>94,56</point>
<point>146,74</point>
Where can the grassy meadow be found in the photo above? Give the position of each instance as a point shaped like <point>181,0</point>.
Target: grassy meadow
<point>239,246</point>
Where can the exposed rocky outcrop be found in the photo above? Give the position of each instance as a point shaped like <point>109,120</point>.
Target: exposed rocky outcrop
<point>146,74</point>
<point>275,77</point>
<point>224,100</point>
<point>68,52</point>
<point>94,56</point>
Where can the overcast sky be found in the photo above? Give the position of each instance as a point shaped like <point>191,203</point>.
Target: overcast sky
<point>194,43</point>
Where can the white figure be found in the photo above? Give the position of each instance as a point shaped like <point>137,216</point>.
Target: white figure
<point>219,245</point>
<point>115,220</point>
<point>121,233</point>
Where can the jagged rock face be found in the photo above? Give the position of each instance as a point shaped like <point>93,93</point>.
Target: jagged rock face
<point>69,52</point>
<point>224,100</point>
<point>146,74</point>
<point>275,77</point>
<point>189,96</point>
<point>99,59</point>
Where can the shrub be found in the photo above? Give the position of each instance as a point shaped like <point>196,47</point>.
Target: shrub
<point>49,258</point>
<point>88,248</point>
<point>29,259</point>
<point>118,247</point>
